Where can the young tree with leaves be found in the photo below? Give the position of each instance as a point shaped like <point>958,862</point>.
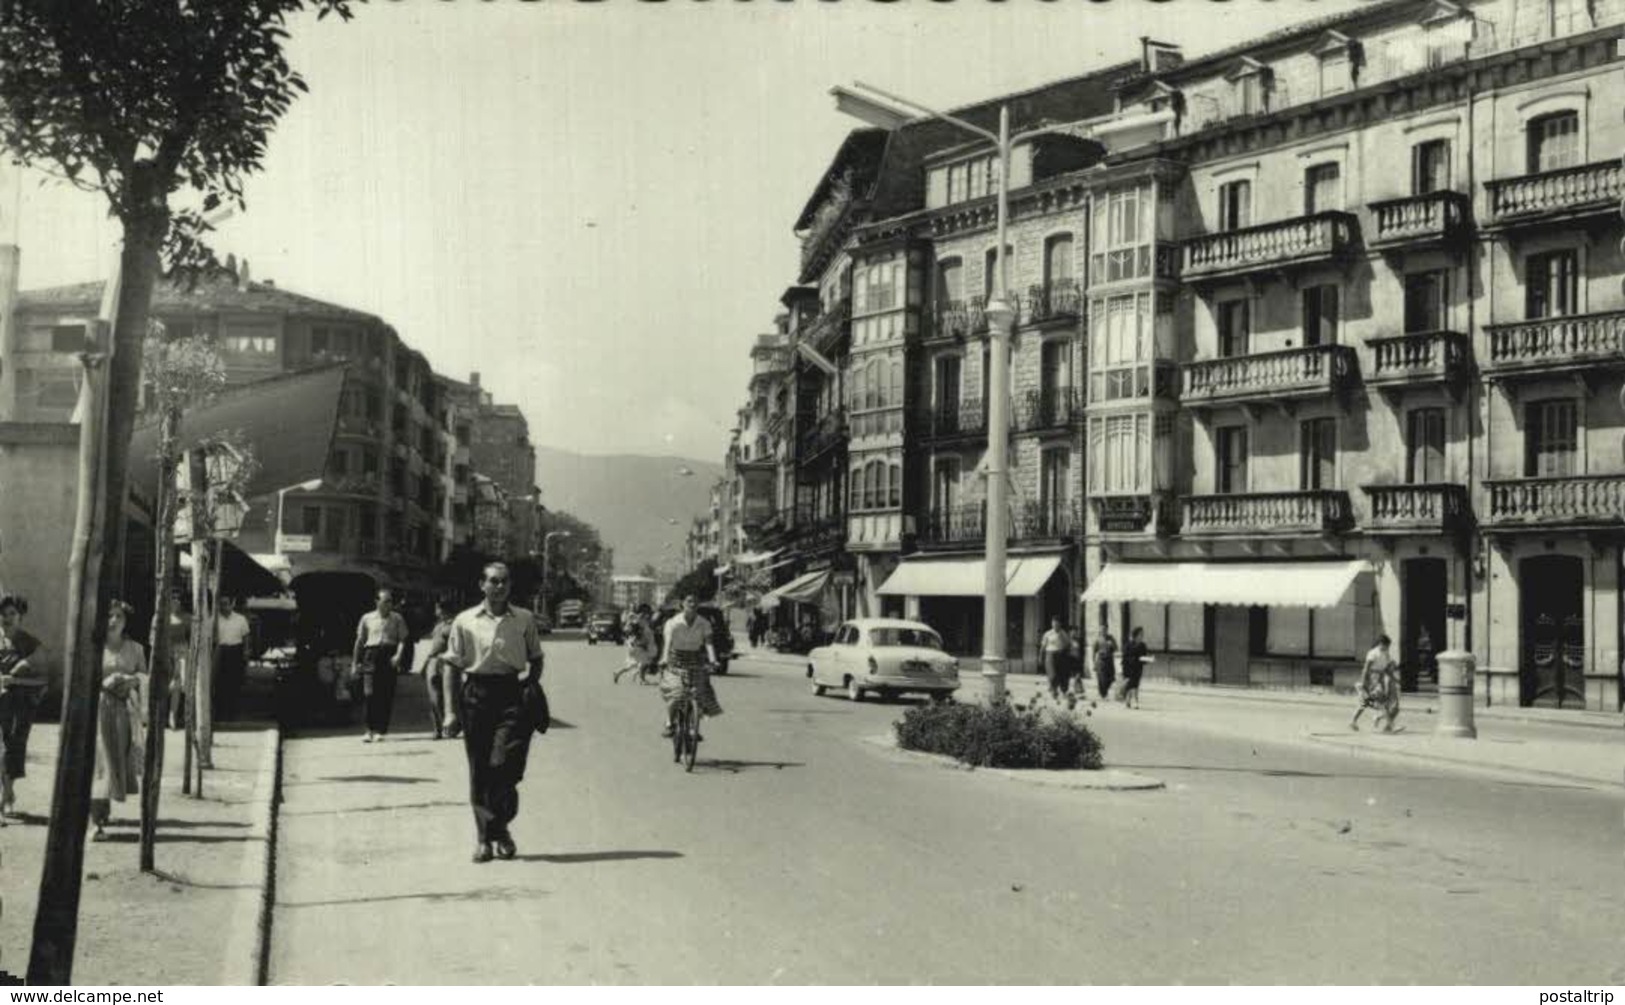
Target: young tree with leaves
<point>164,107</point>
<point>180,373</point>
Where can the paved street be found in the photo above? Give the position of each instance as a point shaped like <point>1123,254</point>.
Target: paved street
<point>799,852</point>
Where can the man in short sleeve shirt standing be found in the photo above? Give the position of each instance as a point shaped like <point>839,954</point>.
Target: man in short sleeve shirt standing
<point>494,644</point>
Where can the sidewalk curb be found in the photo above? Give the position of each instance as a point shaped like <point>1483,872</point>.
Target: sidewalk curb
<point>1433,757</point>
<point>247,957</point>
<point>1102,780</point>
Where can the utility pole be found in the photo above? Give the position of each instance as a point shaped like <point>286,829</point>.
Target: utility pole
<point>56,918</point>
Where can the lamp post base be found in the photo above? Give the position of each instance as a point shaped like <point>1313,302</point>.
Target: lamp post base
<point>993,678</point>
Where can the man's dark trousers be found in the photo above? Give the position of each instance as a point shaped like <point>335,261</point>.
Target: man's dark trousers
<point>496,737</point>
<point>231,668</point>
<point>378,685</point>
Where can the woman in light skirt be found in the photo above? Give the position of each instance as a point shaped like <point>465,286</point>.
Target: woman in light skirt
<point>120,719</point>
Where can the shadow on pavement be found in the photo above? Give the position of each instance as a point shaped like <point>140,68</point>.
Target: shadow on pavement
<point>389,779</point>
<point>810,711</point>
<point>486,894</point>
<point>134,837</point>
<point>737,766</point>
<point>577,858</point>
<point>346,811</point>
<point>179,880</point>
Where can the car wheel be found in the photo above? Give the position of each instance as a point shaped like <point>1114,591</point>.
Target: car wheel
<point>853,692</point>
<point>817,688</point>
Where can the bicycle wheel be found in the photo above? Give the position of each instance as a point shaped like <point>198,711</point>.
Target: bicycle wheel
<point>691,736</point>
<point>679,735</point>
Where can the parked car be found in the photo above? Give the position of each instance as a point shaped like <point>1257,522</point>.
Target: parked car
<point>604,626</point>
<point>886,656</point>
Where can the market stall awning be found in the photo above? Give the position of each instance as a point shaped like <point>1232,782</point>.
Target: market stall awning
<point>1242,584</point>
<point>1025,575</point>
<point>802,590</point>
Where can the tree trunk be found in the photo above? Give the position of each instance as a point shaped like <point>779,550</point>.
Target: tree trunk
<point>152,768</point>
<point>208,671</point>
<point>56,919</point>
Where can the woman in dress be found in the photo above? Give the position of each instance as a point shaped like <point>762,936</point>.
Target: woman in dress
<point>1379,686</point>
<point>120,718</point>
<point>21,685</point>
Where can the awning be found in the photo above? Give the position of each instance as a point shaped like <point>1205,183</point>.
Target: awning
<point>243,574</point>
<point>755,557</point>
<point>1025,576</point>
<point>1241,584</point>
<point>802,590</point>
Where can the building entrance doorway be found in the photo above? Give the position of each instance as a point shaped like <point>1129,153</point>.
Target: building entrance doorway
<point>1423,586</point>
<point>1552,625</point>
<point>1232,644</point>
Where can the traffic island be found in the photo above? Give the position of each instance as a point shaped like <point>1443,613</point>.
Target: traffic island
<point>1105,779</point>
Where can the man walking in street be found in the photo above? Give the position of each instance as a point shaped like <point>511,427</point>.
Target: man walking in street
<point>493,644</point>
<point>380,643</point>
<point>230,659</point>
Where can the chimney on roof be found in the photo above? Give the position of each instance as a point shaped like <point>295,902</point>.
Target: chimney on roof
<point>474,378</point>
<point>1158,56</point>
<point>242,276</point>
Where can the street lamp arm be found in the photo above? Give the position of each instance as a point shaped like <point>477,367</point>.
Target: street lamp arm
<point>1028,134</point>
<point>915,106</point>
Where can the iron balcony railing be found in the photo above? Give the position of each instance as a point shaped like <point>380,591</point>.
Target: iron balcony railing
<point>958,524</point>
<point>1310,370</point>
<point>958,319</point>
<point>1575,340</point>
<point>1562,193</point>
<point>1049,408</point>
<point>1299,241</point>
<point>956,417</point>
<point>1559,501</point>
<point>1439,508</point>
<point>1418,357</point>
<point>1315,511</point>
<point>1040,520</point>
<point>822,433</point>
<point>1061,299</point>
<point>1419,219</point>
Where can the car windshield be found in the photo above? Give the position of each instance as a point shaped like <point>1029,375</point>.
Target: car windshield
<point>919,638</point>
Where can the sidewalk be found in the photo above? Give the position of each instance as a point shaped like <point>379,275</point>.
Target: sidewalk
<point>195,921</point>
<point>1578,746</point>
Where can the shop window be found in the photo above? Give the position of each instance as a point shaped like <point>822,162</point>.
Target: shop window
<point>1187,628</point>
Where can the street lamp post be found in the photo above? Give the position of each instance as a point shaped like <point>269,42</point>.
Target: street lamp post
<point>888,111</point>
<point>547,540</point>
<point>281,503</point>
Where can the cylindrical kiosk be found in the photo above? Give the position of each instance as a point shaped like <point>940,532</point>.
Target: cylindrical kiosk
<point>1456,695</point>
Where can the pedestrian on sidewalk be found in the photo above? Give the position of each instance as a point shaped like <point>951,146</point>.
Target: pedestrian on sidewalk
<point>1379,686</point>
<point>230,659</point>
<point>1057,647</point>
<point>21,687</point>
<point>493,644</point>
<point>1105,661</point>
<point>442,680</point>
<point>180,652</point>
<point>120,717</point>
<point>380,641</point>
<point>1134,657</point>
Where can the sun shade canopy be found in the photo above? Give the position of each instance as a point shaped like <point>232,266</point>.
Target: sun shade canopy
<point>964,577</point>
<point>1242,584</point>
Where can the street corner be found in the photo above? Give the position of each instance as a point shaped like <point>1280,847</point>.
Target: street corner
<point>1101,779</point>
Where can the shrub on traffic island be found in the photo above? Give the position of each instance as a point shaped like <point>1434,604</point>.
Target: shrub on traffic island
<point>999,736</point>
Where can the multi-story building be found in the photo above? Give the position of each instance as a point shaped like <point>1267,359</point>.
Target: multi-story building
<point>500,448</point>
<point>1399,338</point>
<point>627,592</point>
<point>380,504</point>
<point>1352,365</point>
<point>492,515</point>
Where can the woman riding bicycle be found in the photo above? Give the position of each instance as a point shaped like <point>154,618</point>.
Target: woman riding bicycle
<point>642,650</point>
<point>689,658</point>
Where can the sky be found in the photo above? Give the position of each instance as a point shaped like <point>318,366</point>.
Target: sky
<point>591,204</point>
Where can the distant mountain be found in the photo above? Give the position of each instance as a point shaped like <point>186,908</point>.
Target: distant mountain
<point>632,500</point>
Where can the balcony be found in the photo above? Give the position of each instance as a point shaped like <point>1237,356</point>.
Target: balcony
<point>1248,514</point>
<point>1038,520</point>
<point>352,485</point>
<point>1048,408</point>
<point>1304,240</point>
<point>1133,514</point>
<point>1419,221</point>
<point>959,319</point>
<point>1417,509</point>
<point>1575,342</point>
<point>1288,374</point>
<point>356,425</point>
<point>830,328</point>
<point>821,434</point>
<point>825,533</point>
<point>1545,503</point>
<point>1552,196</point>
<point>954,526</point>
<point>964,418</point>
<point>1418,359</point>
<point>1061,300</point>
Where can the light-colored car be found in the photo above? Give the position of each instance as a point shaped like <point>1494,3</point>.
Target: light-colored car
<point>885,656</point>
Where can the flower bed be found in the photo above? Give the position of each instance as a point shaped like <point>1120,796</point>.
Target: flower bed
<point>999,736</point>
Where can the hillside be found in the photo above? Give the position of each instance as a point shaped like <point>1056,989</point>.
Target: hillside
<point>632,500</point>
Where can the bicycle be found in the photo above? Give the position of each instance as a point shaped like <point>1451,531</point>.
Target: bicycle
<point>685,736</point>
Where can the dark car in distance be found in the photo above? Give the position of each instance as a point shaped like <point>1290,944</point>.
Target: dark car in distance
<point>604,626</point>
